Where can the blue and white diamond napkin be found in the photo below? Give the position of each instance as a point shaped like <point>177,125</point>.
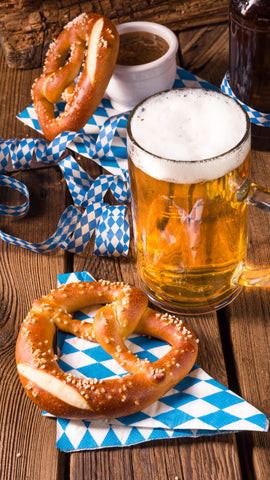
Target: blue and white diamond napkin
<point>197,406</point>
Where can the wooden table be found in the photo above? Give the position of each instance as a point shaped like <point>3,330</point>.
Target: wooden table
<point>234,342</point>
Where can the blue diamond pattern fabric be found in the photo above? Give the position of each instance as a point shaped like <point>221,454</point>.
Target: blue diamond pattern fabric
<point>75,228</point>
<point>197,406</point>
<point>20,187</point>
<point>102,140</point>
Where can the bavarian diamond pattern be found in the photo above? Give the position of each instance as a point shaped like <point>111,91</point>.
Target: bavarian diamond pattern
<point>20,187</point>
<point>5,148</point>
<point>103,140</point>
<point>197,406</point>
<point>113,232</point>
<point>22,152</point>
<point>75,228</point>
<point>40,150</point>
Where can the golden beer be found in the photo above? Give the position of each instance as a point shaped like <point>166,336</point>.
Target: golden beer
<point>190,230</point>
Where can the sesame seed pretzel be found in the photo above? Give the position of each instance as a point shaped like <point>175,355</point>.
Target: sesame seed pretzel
<point>67,396</point>
<point>89,41</point>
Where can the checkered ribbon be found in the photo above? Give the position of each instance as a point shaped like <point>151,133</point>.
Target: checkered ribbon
<point>109,223</point>
<point>75,228</point>
<point>258,118</point>
<point>19,187</point>
<point>103,140</point>
<point>106,145</point>
<point>197,406</point>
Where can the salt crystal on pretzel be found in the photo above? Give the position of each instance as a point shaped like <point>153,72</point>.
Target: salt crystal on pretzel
<point>67,396</point>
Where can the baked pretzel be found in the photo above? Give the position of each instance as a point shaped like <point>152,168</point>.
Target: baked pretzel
<point>92,39</point>
<point>67,396</point>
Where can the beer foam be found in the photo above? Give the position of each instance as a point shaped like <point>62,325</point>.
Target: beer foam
<point>187,135</point>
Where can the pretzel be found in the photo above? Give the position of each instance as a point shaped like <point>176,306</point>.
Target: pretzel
<point>67,396</point>
<point>95,36</point>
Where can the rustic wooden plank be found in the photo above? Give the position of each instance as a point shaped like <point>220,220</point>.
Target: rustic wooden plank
<point>28,27</point>
<point>27,440</point>
<point>205,52</point>
<point>250,331</point>
<point>16,96</point>
<point>186,459</point>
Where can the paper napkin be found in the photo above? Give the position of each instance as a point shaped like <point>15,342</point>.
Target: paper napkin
<point>197,406</point>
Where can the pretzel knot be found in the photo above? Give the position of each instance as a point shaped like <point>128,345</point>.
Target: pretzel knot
<point>90,42</point>
<point>65,395</point>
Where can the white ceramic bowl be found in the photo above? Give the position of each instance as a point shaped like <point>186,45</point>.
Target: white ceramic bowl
<point>131,84</point>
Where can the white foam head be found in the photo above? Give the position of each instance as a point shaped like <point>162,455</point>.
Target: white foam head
<point>188,135</point>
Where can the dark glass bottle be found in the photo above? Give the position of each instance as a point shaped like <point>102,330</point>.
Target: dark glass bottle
<point>250,52</point>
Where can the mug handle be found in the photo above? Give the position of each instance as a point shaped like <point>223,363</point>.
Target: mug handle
<point>253,194</point>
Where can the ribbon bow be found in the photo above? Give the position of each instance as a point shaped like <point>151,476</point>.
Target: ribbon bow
<point>75,228</point>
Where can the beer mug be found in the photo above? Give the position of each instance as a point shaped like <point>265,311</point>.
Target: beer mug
<point>189,163</point>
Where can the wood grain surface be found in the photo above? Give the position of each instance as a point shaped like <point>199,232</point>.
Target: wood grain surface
<point>234,343</point>
<point>27,27</point>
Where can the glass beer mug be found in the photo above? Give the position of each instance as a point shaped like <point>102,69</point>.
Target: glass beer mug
<point>250,52</point>
<point>189,159</point>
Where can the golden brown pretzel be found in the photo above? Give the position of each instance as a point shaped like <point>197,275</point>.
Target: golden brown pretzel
<point>64,395</point>
<point>94,35</point>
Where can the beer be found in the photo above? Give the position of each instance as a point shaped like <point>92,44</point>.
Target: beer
<point>188,154</point>
<point>138,48</point>
<point>250,52</point>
